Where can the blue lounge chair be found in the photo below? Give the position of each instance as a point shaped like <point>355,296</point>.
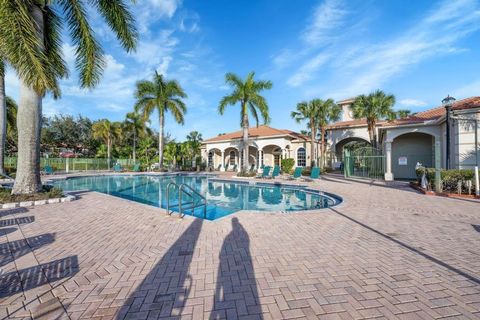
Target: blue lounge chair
<point>314,174</point>
<point>265,172</point>
<point>226,167</point>
<point>117,167</point>
<point>297,174</point>
<point>275,172</point>
<point>136,167</point>
<point>47,169</point>
<point>234,168</point>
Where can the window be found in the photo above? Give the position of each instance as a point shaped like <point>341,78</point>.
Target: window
<point>232,158</point>
<point>210,159</point>
<point>301,157</point>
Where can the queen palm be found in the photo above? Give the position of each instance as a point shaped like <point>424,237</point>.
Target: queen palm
<point>308,111</point>
<point>135,124</point>
<point>107,132</point>
<point>195,139</point>
<point>163,96</point>
<point>247,94</point>
<point>328,111</point>
<point>31,42</point>
<point>373,107</point>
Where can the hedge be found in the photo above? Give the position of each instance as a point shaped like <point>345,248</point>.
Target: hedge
<point>450,178</point>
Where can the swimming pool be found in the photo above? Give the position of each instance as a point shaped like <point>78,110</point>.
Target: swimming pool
<point>223,197</point>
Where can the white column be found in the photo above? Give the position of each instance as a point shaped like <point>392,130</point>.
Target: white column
<point>388,172</point>
<point>223,161</point>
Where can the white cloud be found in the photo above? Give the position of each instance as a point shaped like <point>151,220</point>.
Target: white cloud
<point>112,107</point>
<point>307,70</point>
<point>165,8</point>
<point>412,103</point>
<point>327,17</point>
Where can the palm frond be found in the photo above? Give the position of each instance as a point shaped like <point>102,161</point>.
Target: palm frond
<point>254,113</point>
<point>227,100</point>
<point>233,80</point>
<point>88,54</point>
<point>120,21</point>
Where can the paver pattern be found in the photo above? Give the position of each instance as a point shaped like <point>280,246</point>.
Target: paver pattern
<point>387,252</point>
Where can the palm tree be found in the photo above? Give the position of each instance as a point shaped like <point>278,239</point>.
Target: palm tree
<point>308,111</point>
<point>247,93</point>
<point>373,107</point>
<point>3,118</point>
<point>162,95</point>
<point>136,125</point>
<point>328,111</point>
<point>31,42</point>
<point>107,132</point>
<point>403,113</point>
<point>195,141</point>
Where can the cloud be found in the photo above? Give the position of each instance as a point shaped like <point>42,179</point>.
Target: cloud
<point>308,69</point>
<point>412,103</point>
<point>327,17</point>
<point>470,90</point>
<point>165,8</point>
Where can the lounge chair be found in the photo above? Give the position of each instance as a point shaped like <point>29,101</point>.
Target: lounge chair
<point>265,173</point>
<point>117,167</point>
<point>47,170</point>
<point>234,168</point>
<point>226,167</point>
<point>314,174</point>
<point>275,172</point>
<point>136,167</point>
<point>219,167</point>
<point>297,174</point>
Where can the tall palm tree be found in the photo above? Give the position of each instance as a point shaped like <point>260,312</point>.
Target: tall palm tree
<point>373,107</point>
<point>162,95</point>
<point>107,132</point>
<point>135,124</point>
<point>308,111</point>
<point>194,138</point>
<point>328,111</point>
<point>3,118</point>
<point>31,42</point>
<point>247,93</point>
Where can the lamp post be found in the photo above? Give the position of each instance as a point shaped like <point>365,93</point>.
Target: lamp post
<point>448,103</point>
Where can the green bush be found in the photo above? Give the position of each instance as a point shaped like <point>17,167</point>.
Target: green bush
<point>287,165</point>
<point>450,178</point>
<point>246,174</point>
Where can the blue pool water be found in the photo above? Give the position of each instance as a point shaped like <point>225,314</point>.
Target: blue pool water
<point>223,197</point>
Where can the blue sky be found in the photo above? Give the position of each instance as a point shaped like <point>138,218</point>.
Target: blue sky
<point>420,51</point>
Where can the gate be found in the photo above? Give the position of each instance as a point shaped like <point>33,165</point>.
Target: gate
<point>364,162</point>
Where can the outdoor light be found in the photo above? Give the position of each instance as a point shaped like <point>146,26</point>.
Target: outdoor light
<point>448,103</point>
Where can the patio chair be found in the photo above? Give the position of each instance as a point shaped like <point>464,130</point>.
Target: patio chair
<point>226,167</point>
<point>297,174</point>
<point>136,167</point>
<point>234,168</point>
<point>265,173</point>
<point>275,172</point>
<point>117,167</point>
<point>219,167</point>
<point>314,174</point>
<point>47,170</point>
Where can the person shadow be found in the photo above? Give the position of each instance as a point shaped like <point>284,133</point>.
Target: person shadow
<point>236,293</point>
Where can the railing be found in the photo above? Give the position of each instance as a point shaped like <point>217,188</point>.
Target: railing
<point>181,205</point>
<point>73,164</point>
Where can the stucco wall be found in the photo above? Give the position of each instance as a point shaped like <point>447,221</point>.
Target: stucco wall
<point>463,153</point>
<point>412,147</point>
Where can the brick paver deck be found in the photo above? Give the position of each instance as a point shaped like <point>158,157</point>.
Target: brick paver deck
<point>385,253</point>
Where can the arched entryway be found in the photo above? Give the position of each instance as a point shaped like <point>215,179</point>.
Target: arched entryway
<point>349,143</point>
<point>410,148</point>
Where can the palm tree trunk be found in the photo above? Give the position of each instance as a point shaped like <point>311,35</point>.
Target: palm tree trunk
<point>312,145</point>
<point>245,139</point>
<point>3,122</point>
<point>134,146</point>
<point>29,124</point>
<point>371,134</point>
<point>108,151</point>
<point>322,147</point>
<point>160,140</point>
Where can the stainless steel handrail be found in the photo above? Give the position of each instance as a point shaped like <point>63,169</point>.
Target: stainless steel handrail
<point>204,204</point>
<point>168,196</point>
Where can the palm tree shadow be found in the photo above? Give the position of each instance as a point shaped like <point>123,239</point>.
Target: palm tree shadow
<point>236,292</point>
<point>165,289</point>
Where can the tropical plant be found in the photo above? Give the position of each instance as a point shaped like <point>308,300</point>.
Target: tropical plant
<point>195,141</point>
<point>328,111</point>
<point>373,107</point>
<point>247,93</point>
<point>11,122</point>
<point>162,95</point>
<point>107,132</point>
<point>308,111</point>
<point>135,124</point>
<point>31,43</point>
<point>3,118</point>
<point>403,113</point>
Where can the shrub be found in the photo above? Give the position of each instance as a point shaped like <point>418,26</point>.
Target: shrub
<point>48,192</point>
<point>287,165</point>
<point>450,178</point>
<point>246,174</point>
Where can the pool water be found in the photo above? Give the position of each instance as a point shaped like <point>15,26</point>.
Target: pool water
<point>223,197</point>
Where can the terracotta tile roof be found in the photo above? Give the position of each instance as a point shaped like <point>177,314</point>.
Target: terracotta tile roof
<point>260,131</point>
<point>428,115</point>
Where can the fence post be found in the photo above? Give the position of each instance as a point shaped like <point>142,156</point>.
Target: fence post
<point>477,186</point>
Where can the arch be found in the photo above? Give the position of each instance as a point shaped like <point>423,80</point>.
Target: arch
<point>301,157</point>
<point>410,148</point>
<point>348,143</point>
<point>232,157</point>
<point>272,155</point>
